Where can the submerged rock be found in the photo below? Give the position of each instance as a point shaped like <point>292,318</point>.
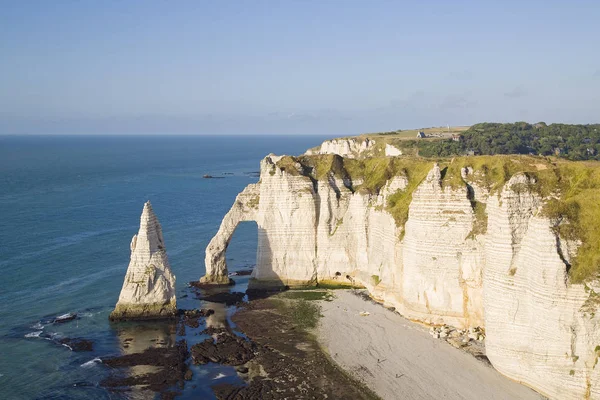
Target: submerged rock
<point>227,298</point>
<point>64,318</point>
<point>149,288</point>
<point>77,344</point>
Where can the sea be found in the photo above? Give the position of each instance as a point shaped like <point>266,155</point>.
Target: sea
<point>69,206</point>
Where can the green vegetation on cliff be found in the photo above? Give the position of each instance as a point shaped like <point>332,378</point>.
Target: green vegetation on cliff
<point>368,175</point>
<point>570,191</point>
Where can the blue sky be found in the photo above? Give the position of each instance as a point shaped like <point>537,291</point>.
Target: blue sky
<point>294,67</point>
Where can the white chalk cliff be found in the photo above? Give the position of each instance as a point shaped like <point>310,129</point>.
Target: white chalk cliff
<point>349,147</point>
<point>509,277</point>
<point>149,288</point>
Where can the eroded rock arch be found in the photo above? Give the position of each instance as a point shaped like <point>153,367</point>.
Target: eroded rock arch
<point>245,208</point>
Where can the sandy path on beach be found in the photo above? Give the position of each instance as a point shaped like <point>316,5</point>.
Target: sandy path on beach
<point>398,359</point>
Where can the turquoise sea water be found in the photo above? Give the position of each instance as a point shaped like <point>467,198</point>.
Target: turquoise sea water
<point>68,209</point>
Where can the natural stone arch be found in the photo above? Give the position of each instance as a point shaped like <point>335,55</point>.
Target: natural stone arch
<point>245,208</point>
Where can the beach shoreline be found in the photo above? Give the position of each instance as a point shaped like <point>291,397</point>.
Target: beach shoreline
<point>397,358</point>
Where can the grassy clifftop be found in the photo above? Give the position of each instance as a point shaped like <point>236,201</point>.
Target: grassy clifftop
<point>571,189</point>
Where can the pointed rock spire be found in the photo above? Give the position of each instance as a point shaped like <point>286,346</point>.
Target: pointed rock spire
<point>149,288</point>
<point>435,174</point>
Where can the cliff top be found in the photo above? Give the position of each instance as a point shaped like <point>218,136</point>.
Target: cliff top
<point>572,142</point>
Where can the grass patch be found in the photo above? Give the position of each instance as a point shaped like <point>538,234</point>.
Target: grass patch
<point>254,201</point>
<point>492,172</point>
<point>481,219</point>
<point>290,165</point>
<point>375,280</point>
<point>303,313</point>
<point>338,223</point>
<point>308,295</point>
<point>334,285</point>
<point>576,213</point>
<point>398,203</point>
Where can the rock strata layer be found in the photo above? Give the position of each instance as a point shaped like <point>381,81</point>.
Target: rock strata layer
<point>506,273</point>
<point>149,288</point>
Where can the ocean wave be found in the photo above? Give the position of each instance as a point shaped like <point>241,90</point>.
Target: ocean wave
<point>61,319</point>
<point>91,363</point>
<point>67,346</point>
<point>219,376</point>
<point>26,296</point>
<point>37,326</point>
<point>34,334</point>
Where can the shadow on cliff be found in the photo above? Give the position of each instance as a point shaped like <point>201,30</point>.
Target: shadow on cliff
<point>264,281</point>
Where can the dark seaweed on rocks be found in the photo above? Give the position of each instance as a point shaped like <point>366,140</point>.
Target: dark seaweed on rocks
<point>172,361</point>
<point>291,363</point>
<point>191,318</point>
<point>226,349</point>
<point>227,298</point>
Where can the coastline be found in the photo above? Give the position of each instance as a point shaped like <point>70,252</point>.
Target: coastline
<point>397,358</point>
<point>294,344</point>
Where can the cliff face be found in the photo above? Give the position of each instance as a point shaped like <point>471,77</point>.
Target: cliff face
<point>463,257</point>
<point>149,288</point>
<point>350,147</point>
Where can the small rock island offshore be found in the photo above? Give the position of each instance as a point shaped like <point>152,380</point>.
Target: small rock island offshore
<point>434,226</point>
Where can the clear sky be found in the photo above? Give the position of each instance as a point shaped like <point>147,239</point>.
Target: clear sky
<point>302,67</point>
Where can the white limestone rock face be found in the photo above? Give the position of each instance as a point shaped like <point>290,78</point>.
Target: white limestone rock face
<point>512,280</point>
<point>287,204</point>
<point>350,147</point>
<point>149,288</point>
<point>392,151</point>
<point>442,266</point>
<point>536,330</point>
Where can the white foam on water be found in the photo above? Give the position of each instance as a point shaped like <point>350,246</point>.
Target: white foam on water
<point>39,325</point>
<point>67,346</point>
<point>219,376</point>
<point>33,334</point>
<point>91,363</point>
<point>86,314</point>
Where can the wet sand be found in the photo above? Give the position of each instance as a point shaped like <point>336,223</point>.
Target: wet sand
<point>398,359</point>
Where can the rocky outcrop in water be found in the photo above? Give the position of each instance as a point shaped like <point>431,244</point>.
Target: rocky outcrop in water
<point>149,288</point>
<point>504,269</point>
